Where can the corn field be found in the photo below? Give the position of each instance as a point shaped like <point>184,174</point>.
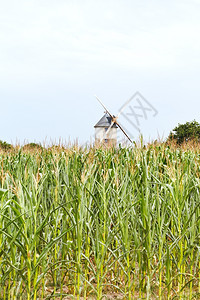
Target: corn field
<point>100,223</point>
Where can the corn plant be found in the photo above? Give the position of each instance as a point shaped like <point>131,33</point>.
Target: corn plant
<point>99,222</point>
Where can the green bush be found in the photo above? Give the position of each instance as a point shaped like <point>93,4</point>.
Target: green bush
<point>32,146</point>
<point>186,132</point>
<point>5,146</point>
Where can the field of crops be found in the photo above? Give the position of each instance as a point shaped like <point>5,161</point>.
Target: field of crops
<point>100,224</point>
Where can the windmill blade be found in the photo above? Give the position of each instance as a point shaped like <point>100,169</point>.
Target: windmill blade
<point>106,132</point>
<point>124,132</point>
<point>104,107</point>
<point>109,128</point>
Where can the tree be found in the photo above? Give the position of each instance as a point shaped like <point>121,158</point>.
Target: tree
<point>32,146</point>
<point>186,132</point>
<point>5,146</point>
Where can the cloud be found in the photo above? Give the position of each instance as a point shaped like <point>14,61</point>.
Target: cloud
<point>57,49</point>
<point>48,37</point>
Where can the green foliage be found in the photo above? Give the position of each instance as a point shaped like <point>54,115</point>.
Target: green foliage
<point>32,146</point>
<point>5,146</point>
<point>99,223</point>
<point>186,132</point>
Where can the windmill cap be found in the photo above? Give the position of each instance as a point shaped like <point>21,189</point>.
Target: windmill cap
<point>105,121</point>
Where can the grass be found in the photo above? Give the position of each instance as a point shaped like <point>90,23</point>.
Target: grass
<point>98,223</point>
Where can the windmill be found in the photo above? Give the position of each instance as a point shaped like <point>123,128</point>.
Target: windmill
<point>106,128</point>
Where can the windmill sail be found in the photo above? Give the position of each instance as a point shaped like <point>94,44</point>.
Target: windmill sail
<point>104,107</point>
<point>108,117</point>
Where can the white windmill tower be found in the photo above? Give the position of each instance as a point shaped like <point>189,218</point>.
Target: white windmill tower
<point>106,128</point>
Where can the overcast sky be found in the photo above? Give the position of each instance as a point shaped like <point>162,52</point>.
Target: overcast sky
<point>55,55</point>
